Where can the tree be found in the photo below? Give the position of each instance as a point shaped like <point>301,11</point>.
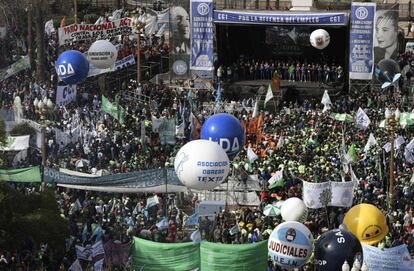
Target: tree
<point>3,138</point>
<point>40,10</point>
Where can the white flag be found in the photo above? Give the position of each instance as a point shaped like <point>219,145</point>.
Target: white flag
<point>84,253</point>
<point>97,249</point>
<point>397,144</point>
<point>362,120</point>
<point>316,195</point>
<point>179,131</point>
<point>98,265</point>
<point>269,94</point>
<point>371,142</point>
<point>16,143</point>
<point>256,109</point>
<point>326,101</point>
<point>277,177</point>
<point>408,152</point>
<point>251,155</point>
<point>196,237</point>
<point>49,28</point>
<point>156,123</point>
<point>342,193</point>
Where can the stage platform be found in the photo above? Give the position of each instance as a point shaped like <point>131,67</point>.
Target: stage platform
<point>301,90</point>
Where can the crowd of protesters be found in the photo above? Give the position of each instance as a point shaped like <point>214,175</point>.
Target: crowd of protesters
<point>298,138</point>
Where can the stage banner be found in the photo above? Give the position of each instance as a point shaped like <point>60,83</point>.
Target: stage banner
<point>65,95</point>
<point>361,41</point>
<point>106,30</point>
<point>382,259</point>
<point>201,35</point>
<point>246,17</point>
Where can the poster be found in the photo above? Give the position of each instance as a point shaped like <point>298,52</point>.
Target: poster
<point>202,35</point>
<point>361,41</point>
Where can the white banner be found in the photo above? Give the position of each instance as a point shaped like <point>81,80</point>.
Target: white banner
<point>119,65</point>
<point>16,143</point>
<point>342,194</point>
<point>384,259</point>
<point>314,194</point>
<point>105,30</point>
<point>65,95</point>
<point>319,195</point>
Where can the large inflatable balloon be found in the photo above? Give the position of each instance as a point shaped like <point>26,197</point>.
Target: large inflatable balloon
<point>226,130</point>
<point>387,72</point>
<point>290,245</point>
<point>201,164</point>
<point>320,39</point>
<point>72,67</point>
<point>102,54</point>
<point>334,247</point>
<point>367,223</point>
<point>294,209</point>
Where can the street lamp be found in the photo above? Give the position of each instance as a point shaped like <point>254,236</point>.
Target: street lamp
<point>42,108</point>
<point>392,119</point>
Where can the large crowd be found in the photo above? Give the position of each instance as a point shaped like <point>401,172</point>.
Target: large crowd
<point>298,138</point>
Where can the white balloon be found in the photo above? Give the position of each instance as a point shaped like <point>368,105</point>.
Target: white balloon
<point>294,209</point>
<point>102,54</point>
<point>201,164</point>
<point>320,39</point>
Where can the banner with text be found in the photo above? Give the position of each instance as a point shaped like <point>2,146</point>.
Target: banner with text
<point>247,17</point>
<point>202,35</point>
<point>65,95</point>
<point>119,65</point>
<point>361,41</point>
<point>21,175</point>
<point>382,259</point>
<point>106,30</point>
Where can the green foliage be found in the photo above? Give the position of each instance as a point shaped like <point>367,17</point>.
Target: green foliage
<point>3,139</point>
<point>35,215</point>
<point>90,18</point>
<point>22,129</point>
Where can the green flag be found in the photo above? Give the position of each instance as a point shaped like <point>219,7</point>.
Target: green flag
<point>276,180</point>
<point>352,153</point>
<point>22,175</point>
<point>116,111</point>
<point>342,117</point>
<point>405,119</point>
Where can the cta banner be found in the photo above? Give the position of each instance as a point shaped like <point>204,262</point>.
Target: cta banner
<point>201,35</point>
<point>382,259</point>
<point>245,17</point>
<point>361,41</point>
<point>106,30</point>
<point>65,95</point>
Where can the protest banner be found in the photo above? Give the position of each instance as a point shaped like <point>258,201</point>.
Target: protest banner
<point>107,30</point>
<point>65,95</point>
<point>382,259</point>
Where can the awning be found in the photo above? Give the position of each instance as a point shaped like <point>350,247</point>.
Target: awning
<point>281,18</point>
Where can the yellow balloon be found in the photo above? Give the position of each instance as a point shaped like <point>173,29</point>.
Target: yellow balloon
<point>367,223</point>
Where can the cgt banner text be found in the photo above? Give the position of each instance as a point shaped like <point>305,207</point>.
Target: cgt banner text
<point>106,30</point>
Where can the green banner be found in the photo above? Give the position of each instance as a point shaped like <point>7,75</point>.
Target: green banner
<point>116,111</point>
<point>22,175</point>
<point>153,256</point>
<point>246,257</point>
<point>18,66</point>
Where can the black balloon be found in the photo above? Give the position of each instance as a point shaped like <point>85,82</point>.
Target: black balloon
<point>334,247</point>
<point>386,69</point>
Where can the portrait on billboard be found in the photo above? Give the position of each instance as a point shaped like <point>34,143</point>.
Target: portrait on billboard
<point>386,35</point>
<point>180,26</point>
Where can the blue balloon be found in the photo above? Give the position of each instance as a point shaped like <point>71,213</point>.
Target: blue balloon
<point>72,67</point>
<point>226,130</point>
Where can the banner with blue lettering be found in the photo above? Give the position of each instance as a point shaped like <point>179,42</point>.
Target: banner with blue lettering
<point>361,53</point>
<point>245,17</point>
<point>201,35</point>
<point>381,259</point>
